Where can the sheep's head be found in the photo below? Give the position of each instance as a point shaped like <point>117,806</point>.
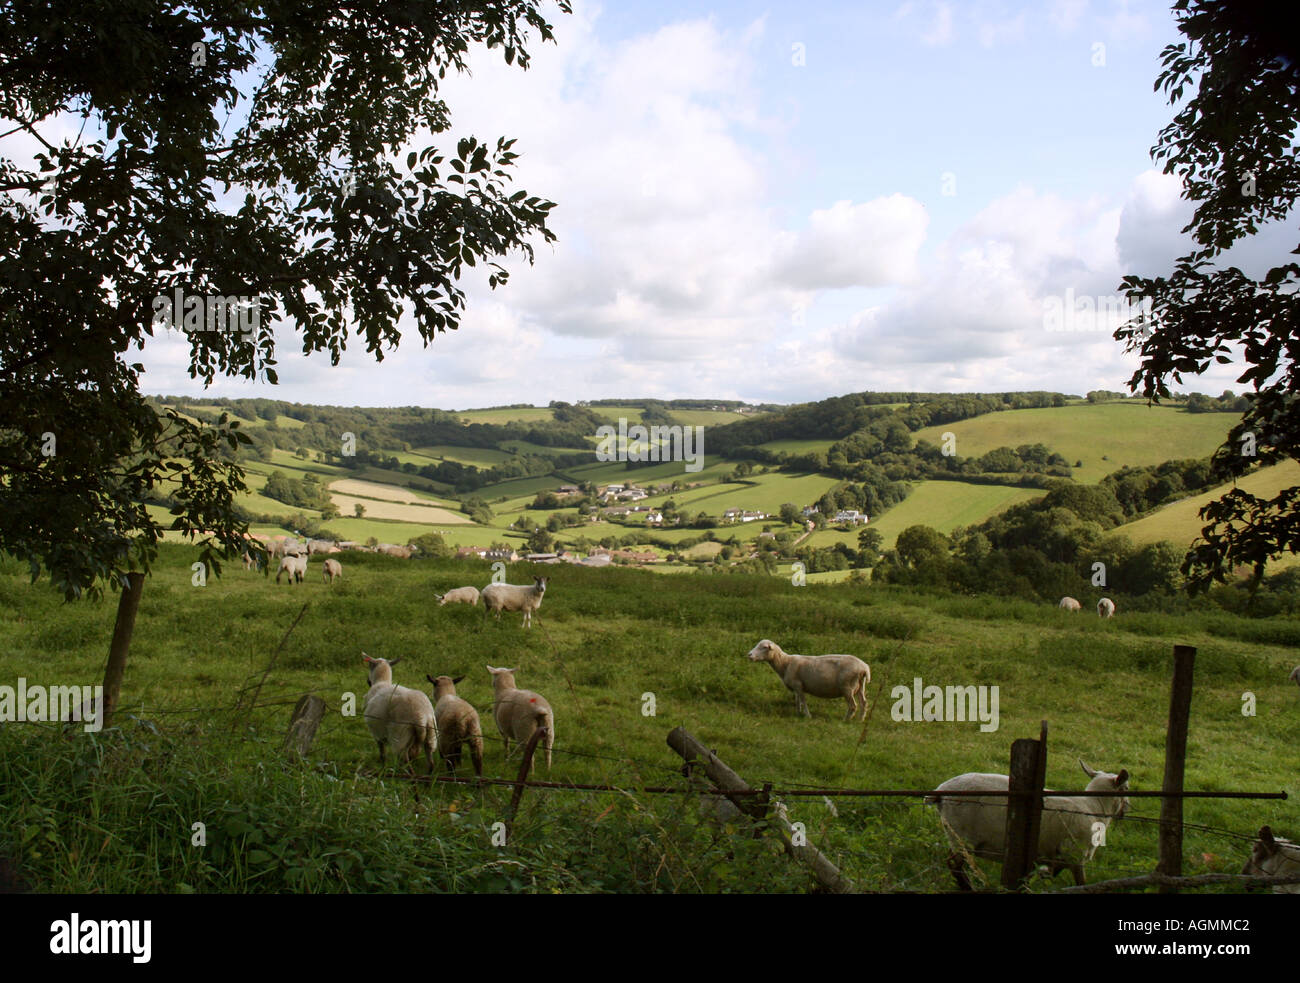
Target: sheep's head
<point>1266,855</point>
<point>540,584</point>
<point>502,677</point>
<point>1104,781</point>
<point>762,652</point>
<point>379,670</point>
<point>443,686</point>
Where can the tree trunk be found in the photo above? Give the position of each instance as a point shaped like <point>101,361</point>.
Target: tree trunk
<point>122,630</point>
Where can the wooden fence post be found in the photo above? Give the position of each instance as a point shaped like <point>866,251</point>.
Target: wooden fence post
<point>1025,810</point>
<point>524,767</point>
<point>127,606</point>
<point>307,715</point>
<point>1171,808</point>
<point>727,781</point>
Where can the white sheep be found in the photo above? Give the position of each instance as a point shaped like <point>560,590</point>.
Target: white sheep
<point>513,597</point>
<point>1066,838</point>
<point>294,566</point>
<point>1069,604</point>
<point>333,568</point>
<point>1105,608</point>
<point>458,724</point>
<point>1272,857</point>
<point>398,715</point>
<point>461,595</point>
<point>519,712</point>
<point>827,676</point>
<point>1295,675</point>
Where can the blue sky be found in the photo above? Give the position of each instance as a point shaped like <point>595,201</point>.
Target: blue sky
<point>790,201</point>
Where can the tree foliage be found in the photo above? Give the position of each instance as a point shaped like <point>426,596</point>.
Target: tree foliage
<point>223,150</point>
<point>1232,144</point>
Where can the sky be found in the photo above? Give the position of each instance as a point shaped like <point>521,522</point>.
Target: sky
<point>779,202</point>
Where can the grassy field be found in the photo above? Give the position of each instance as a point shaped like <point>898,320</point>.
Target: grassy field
<point>108,808</point>
<point>797,446</point>
<point>1104,436</point>
<point>1179,523</point>
<point>477,457</point>
<point>532,415</point>
<point>942,505</point>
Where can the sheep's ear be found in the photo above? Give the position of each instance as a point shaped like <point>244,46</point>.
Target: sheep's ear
<point>366,659</point>
<point>457,679</point>
<point>1121,778</point>
<point>393,662</point>
<point>1086,770</point>
<point>431,679</point>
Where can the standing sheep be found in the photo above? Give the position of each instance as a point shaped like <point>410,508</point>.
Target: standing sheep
<point>519,712</point>
<point>461,595</point>
<point>458,724</point>
<point>333,568</point>
<point>398,715</point>
<point>1066,840</point>
<point>1070,604</point>
<point>1272,857</point>
<point>1105,608</point>
<point>512,597</point>
<point>827,676</point>
<point>294,566</point>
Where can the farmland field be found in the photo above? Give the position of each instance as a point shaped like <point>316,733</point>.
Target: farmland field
<point>1103,687</point>
<point>1127,433</point>
<point>942,505</point>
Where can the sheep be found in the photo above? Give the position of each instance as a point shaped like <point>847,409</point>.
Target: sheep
<point>512,597</point>
<point>519,712</point>
<point>294,566</point>
<point>1295,675</point>
<point>1066,838</point>
<point>398,715</point>
<point>333,568</point>
<point>1271,857</point>
<point>461,595</point>
<point>1069,604</point>
<point>458,724</point>
<point>1105,608</point>
<point>826,676</point>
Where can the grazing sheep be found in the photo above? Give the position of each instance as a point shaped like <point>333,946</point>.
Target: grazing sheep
<point>398,715</point>
<point>519,712</point>
<point>461,595</point>
<point>1273,857</point>
<point>458,724</point>
<point>826,676</point>
<point>512,597</point>
<point>1295,675</point>
<point>1069,604</point>
<point>1065,840</point>
<point>333,568</point>
<point>294,566</point>
<point>1105,608</point>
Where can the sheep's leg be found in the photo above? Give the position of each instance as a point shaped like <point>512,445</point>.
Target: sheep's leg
<point>958,867</point>
<point>851,698</point>
<point>381,753</point>
<point>1077,871</point>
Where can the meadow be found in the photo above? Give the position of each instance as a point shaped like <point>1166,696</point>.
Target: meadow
<point>114,811</point>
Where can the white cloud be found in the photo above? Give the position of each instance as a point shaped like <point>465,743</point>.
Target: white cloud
<point>866,245</point>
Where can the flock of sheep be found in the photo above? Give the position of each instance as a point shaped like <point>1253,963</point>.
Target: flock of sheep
<point>415,725</point>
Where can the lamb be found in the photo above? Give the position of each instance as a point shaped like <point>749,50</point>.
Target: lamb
<point>294,566</point>
<point>398,715</point>
<point>1273,857</point>
<point>1066,839</point>
<point>333,568</point>
<point>1069,604</point>
<point>512,597</point>
<point>1105,608</point>
<point>461,595</point>
<point>458,724</point>
<point>826,676</point>
<point>519,712</point>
